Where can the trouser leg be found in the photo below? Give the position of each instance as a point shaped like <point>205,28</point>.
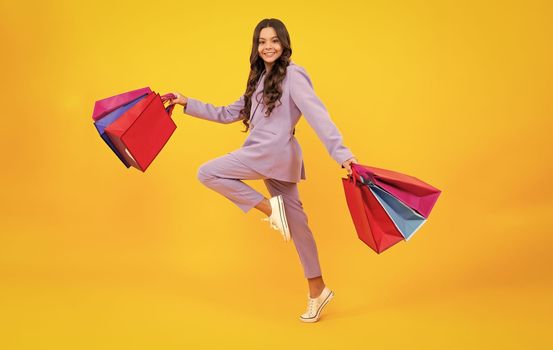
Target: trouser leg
<point>297,221</point>
<point>223,175</point>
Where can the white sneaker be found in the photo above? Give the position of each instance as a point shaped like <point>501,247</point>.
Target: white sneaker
<point>315,306</point>
<point>278,217</point>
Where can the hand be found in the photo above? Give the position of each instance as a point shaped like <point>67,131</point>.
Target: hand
<point>181,100</point>
<point>347,163</point>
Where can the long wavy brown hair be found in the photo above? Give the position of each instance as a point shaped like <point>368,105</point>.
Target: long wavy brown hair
<point>272,90</point>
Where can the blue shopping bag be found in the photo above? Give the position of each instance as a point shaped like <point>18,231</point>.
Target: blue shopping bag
<point>406,220</point>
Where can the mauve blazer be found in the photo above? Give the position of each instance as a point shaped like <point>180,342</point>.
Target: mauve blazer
<point>271,147</point>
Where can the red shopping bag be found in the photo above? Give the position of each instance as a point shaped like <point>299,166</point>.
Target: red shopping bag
<point>373,225</point>
<point>141,133</point>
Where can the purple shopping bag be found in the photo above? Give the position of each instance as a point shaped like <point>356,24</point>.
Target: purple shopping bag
<point>414,193</point>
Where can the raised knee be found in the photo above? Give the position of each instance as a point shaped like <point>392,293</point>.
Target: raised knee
<point>203,174</point>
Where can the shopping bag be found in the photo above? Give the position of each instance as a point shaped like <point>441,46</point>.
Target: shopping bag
<point>387,199</point>
<point>142,131</point>
<point>407,220</point>
<point>108,119</point>
<point>109,104</point>
<point>373,225</point>
<point>415,193</point>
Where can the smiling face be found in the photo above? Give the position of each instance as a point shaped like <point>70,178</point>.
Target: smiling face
<point>269,46</point>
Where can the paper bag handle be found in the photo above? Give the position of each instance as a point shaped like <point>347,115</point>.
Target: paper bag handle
<point>169,96</point>
<point>367,180</point>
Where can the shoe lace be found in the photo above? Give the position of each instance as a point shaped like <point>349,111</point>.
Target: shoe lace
<point>312,306</point>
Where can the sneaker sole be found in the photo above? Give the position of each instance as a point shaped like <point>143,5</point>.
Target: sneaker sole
<point>283,218</point>
<point>318,315</point>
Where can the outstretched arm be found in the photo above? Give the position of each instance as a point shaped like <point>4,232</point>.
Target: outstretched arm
<point>314,111</point>
<point>224,114</point>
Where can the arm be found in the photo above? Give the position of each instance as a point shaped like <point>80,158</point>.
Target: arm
<point>314,111</point>
<point>224,114</point>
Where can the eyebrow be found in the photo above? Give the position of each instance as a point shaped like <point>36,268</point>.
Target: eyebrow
<point>271,38</point>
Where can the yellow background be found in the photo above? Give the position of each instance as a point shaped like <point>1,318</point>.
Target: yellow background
<point>97,256</point>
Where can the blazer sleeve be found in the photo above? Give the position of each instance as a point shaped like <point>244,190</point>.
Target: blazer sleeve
<point>223,114</point>
<point>314,111</point>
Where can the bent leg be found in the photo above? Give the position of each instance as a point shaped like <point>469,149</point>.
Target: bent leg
<point>223,175</point>
<point>297,221</point>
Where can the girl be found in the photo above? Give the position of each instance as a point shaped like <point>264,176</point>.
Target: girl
<point>283,92</point>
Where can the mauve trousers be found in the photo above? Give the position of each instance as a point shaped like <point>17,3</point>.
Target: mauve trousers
<point>224,175</point>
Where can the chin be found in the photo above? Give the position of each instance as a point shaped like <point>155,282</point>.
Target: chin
<point>272,60</point>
